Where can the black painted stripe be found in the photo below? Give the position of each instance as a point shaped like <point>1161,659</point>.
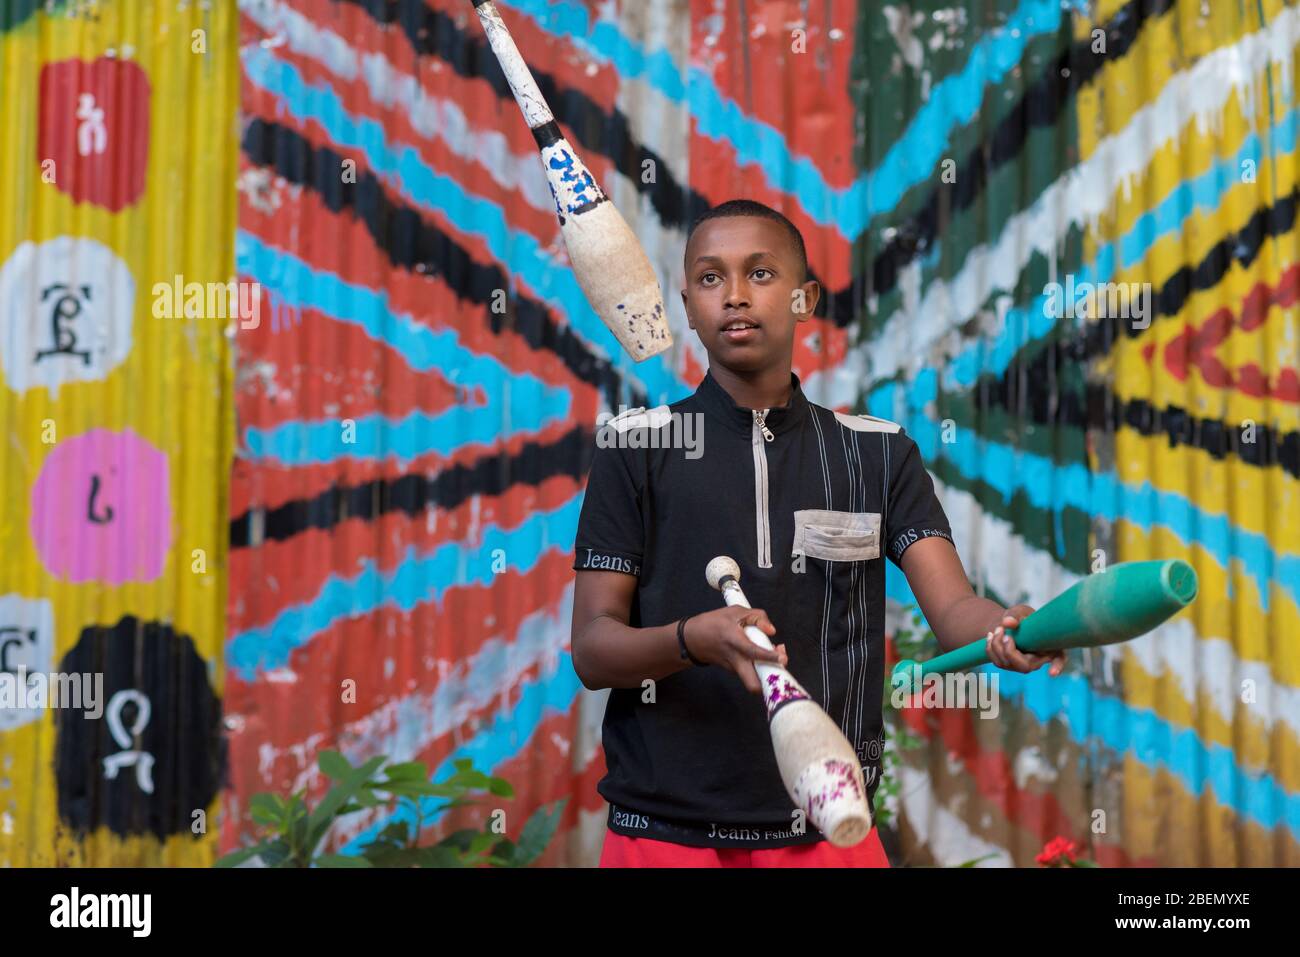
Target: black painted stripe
<point>411,242</point>
<point>1032,396</point>
<point>1041,105</point>
<point>1242,247</point>
<point>413,495</point>
<point>1031,387</point>
<point>548,134</point>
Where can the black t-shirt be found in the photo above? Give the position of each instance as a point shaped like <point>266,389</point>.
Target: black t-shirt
<point>808,501</point>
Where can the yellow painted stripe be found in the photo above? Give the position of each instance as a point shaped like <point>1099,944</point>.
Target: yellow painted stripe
<point>1162,821</point>
<point>1228,604</point>
<point>174,389</point>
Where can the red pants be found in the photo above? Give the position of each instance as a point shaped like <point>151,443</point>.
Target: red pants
<point>621,851</point>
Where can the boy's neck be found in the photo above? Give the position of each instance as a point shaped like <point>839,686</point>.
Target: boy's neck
<point>766,389</point>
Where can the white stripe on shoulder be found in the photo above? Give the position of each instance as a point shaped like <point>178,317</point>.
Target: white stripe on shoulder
<point>639,418</point>
<point>866,423</point>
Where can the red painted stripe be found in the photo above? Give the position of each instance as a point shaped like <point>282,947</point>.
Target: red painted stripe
<point>1196,346</point>
<point>280,574</point>
<point>342,244</point>
<point>475,177</point>
<point>303,704</point>
<point>804,95</point>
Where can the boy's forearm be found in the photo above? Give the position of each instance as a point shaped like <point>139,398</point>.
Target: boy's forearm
<point>968,620</point>
<point>615,655</point>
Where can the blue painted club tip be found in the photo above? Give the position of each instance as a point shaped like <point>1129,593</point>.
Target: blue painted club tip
<point>1179,579</point>
<point>901,676</point>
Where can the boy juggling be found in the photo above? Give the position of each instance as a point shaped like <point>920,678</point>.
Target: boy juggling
<point>809,502</point>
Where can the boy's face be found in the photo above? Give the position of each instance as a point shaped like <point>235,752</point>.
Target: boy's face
<point>744,269</point>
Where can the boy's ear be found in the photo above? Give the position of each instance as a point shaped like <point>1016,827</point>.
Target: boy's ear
<point>689,321</point>
<point>804,299</point>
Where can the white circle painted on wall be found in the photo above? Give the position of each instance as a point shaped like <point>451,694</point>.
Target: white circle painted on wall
<point>66,307</point>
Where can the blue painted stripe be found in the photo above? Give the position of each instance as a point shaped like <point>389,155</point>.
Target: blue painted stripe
<point>510,734</point>
<point>1053,487</point>
<point>416,580</point>
<point>518,250</point>
<point>1155,742</point>
<point>374,438</point>
<point>953,102</point>
<point>532,403</point>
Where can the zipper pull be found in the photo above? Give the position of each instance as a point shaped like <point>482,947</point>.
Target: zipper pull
<point>767,433</point>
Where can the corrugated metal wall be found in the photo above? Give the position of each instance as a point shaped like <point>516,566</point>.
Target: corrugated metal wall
<point>117,122</point>
<point>945,164</point>
<point>414,412</point>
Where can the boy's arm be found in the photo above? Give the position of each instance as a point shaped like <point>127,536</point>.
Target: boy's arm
<point>920,543</point>
<point>607,652</point>
<point>957,615</point>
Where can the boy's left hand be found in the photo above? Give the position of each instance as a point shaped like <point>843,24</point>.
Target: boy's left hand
<point>1004,654</point>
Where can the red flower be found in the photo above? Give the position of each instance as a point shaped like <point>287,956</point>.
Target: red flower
<point>1054,850</point>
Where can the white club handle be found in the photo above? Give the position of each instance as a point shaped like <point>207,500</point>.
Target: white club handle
<point>522,85</point>
<point>732,595</point>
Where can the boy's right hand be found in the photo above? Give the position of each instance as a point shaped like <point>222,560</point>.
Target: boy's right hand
<point>718,638</point>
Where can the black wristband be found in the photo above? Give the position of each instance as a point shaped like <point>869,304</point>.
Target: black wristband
<point>681,642</point>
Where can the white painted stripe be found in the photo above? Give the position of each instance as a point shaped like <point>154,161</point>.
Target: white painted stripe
<point>405,727</point>
<point>944,834</point>
<point>432,117</point>
<point>924,332</point>
<point>653,118</point>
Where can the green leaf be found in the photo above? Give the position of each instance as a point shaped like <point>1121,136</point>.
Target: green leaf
<point>459,840</point>
<point>334,765</point>
<point>339,796</point>
<point>342,860</point>
<point>973,861</point>
<point>407,771</point>
<point>501,787</point>
<point>398,832</point>
<point>235,858</point>
<point>481,842</point>
<point>413,788</point>
<point>275,853</point>
<point>538,831</point>
<point>436,856</point>
<point>463,764</point>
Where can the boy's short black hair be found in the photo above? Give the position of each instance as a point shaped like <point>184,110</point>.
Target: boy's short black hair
<point>750,207</point>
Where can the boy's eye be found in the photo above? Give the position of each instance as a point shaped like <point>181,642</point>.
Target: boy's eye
<point>762,269</point>
<point>705,278</point>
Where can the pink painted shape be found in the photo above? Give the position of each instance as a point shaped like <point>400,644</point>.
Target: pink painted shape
<point>134,496</point>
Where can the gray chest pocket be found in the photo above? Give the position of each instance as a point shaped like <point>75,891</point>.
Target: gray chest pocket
<point>837,536</point>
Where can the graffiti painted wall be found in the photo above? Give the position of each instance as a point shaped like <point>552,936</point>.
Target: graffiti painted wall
<point>117,121</point>
<point>414,419</point>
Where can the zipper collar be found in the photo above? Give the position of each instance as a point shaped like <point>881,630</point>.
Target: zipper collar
<point>780,419</point>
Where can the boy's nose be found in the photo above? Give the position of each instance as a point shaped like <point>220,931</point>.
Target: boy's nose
<point>736,298</point>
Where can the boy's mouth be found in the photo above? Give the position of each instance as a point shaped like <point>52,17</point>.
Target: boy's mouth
<point>738,326</point>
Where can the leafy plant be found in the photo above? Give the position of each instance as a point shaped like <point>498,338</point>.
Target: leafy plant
<point>293,831</point>
<point>918,644</point>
